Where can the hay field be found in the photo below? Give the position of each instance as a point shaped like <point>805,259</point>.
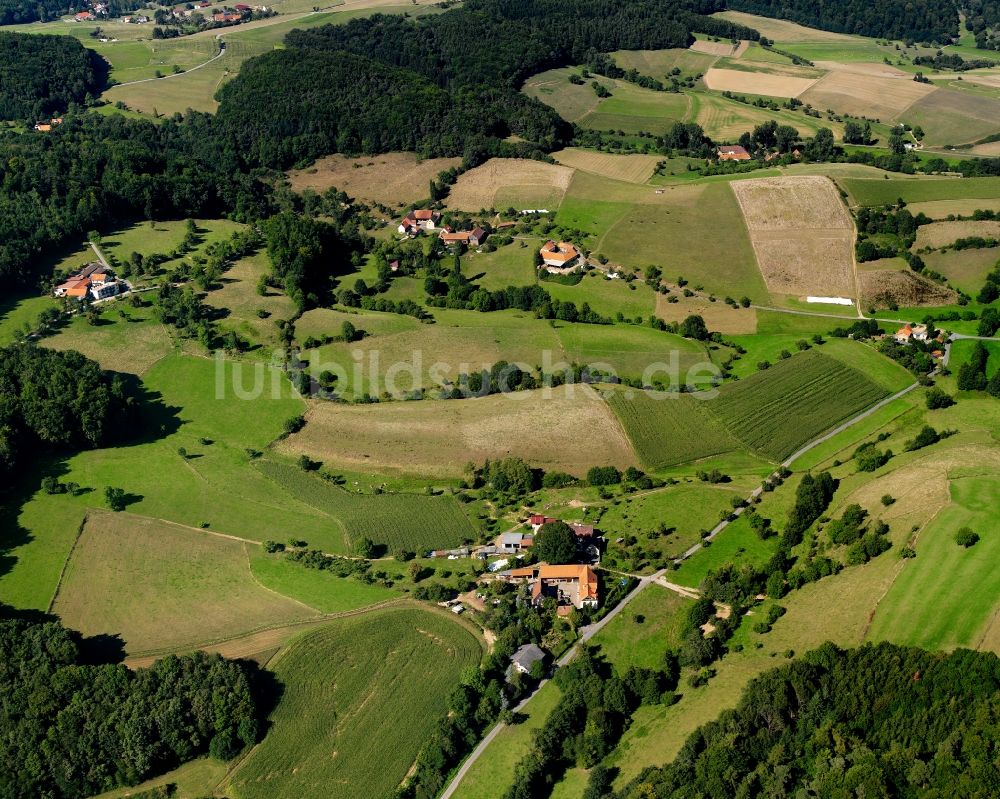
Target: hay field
<point>390,179</point>
<point>881,288</point>
<point>129,345</point>
<point>722,48</point>
<point>437,438</point>
<point>735,80</point>
<point>863,68</point>
<point>717,315</point>
<point>866,95</point>
<point>802,234</point>
<point>164,587</point>
<point>725,120</point>
<point>864,191</point>
<point>941,234</point>
<point>964,269</point>
<point>954,118</point>
<point>657,63</point>
<point>503,182</point>
<point>940,209</point>
<point>238,295</point>
<point>780,30</point>
<point>361,696</point>
<point>630,168</point>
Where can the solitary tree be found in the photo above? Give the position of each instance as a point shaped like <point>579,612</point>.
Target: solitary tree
<point>555,543</point>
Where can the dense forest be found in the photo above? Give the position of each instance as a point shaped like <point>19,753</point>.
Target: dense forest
<point>15,12</point>
<point>881,720</point>
<point>68,729</point>
<point>982,18</point>
<point>916,20</point>
<point>443,86</point>
<point>41,75</point>
<point>56,399</point>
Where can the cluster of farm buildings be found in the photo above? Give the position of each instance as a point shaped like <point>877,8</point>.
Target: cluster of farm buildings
<point>94,281</point>
<point>736,152</point>
<point>228,15</point>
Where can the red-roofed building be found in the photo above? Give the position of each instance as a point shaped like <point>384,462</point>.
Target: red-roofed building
<point>559,257</point>
<point>571,585</point>
<point>83,16</point>
<point>415,221</point>
<point>733,152</point>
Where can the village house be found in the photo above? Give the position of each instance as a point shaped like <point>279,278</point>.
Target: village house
<point>227,16</point>
<point>733,152</point>
<point>559,258</point>
<point>46,126</point>
<point>515,542</point>
<point>526,657</point>
<point>907,332</point>
<point>470,238</point>
<point>83,16</point>
<point>420,219</point>
<point>94,280</point>
<point>572,586</point>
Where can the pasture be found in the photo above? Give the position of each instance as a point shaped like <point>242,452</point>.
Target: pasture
<point>952,118</point>
<point>436,439</point>
<point>657,63</point>
<point>510,265</point>
<point>163,587</point>
<point>802,234</point>
<point>507,182</point>
<point>864,191</point>
<point>625,641</point>
<point>414,522</point>
<point>390,179</point>
<point>776,411</point>
<point>718,316</point>
<point>669,429</point>
<point>361,696</point>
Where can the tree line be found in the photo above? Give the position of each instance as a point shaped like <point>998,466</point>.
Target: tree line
<point>68,729</point>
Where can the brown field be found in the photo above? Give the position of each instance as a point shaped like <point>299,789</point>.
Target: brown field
<point>163,587</point>
<point>735,80</point>
<point>717,315</point>
<point>438,437</point>
<point>941,234</point>
<point>990,148</point>
<point>903,287</point>
<point>391,179</point>
<point>779,30</point>
<point>863,68</point>
<point>940,209</point>
<point>533,183</point>
<point>865,95</point>
<point>726,49</point>
<point>802,235</point>
<point>630,168</point>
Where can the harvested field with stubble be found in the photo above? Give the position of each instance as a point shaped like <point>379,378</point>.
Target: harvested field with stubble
<point>940,209</point>
<point>802,235</point>
<point>438,437</point>
<point>163,587</point>
<point>630,168</point>
<point>866,95</point>
<point>735,80</point>
<point>941,234</point>
<point>361,696</point>
<point>780,30</point>
<point>884,287</point>
<point>724,48</point>
<point>391,179</point>
<point>511,181</point>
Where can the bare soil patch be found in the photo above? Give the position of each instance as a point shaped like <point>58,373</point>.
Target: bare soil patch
<point>941,234</point>
<point>902,287</point>
<point>391,179</point>
<point>735,80</point>
<point>636,168</point>
<point>727,49</point>
<point>866,95</point>
<point>513,178</point>
<point>802,235</point>
<point>568,431</point>
<point>717,315</point>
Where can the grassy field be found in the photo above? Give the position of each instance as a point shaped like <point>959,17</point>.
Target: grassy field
<point>436,439</point>
<point>881,192</point>
<point>414,522</point>
<point>953,118</point>
<point>360,698</point>
<point>195,779</point>
<point>630,168</point>
<point>512,265</point>
<point>668,429</point>
<point>502,183</point>
<point>162,587</point>
<point>626,641</point>
<point>776,411</point>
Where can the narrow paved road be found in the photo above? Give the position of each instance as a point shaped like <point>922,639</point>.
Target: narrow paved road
<point>586,634</point>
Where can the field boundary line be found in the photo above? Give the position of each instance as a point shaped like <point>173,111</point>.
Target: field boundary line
<point>219,54</point>
<point>259,584</point>
<point>65,566</point>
